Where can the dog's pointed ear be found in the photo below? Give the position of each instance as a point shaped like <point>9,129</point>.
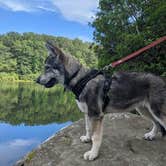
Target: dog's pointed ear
<point>49,46</point>
<point>52,48</point>
<point>54,51</point>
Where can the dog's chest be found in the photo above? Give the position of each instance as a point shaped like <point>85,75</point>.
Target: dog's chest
<point>82,106</point>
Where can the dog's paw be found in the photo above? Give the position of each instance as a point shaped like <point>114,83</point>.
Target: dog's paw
<point>85,139</point>
<point>90,155</point>
<point>149,136</point>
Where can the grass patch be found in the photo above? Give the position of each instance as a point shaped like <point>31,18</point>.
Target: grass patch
<point>30,156</point>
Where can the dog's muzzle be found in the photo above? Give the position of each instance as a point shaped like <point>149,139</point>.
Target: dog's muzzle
<point>49,84</point>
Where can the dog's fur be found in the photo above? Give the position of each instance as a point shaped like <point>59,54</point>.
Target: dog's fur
<point>129,90</point>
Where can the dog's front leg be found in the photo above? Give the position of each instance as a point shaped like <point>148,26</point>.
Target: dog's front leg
<point>97,134</point>
<point>88,126</point>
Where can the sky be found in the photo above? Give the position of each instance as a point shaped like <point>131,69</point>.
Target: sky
<point>68,18</point>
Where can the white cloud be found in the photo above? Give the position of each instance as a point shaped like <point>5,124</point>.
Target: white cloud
<point>80,11</point>
<point>27,5</point>
<point>77,10</point>
<point>14,5</point>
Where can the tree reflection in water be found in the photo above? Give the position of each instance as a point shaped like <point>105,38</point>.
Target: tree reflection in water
<point>31,104</point>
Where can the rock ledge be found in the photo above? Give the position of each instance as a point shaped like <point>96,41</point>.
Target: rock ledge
<point>123,145</point>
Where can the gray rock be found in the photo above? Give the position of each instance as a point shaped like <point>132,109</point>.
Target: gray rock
<point>123,145</point>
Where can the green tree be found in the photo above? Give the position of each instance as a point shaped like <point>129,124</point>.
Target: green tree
<point>124,26</point>
<point>24,54</point>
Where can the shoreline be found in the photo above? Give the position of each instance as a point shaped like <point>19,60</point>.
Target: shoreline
<point>5,77</point>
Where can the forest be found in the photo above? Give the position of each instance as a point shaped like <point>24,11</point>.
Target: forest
<point>124,26</point>
<point>120,28</point>
<point>22,56</point>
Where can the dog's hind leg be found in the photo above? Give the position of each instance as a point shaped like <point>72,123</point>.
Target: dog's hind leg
<point>157,117</point>
<point>151,135</point>
<point>143,111</point>
<point>97,134</point>
<point>88,126</point>
<point>163,131</point>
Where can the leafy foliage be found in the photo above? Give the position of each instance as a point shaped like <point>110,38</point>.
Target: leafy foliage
<point>24,54</point>
<point>124,26</point>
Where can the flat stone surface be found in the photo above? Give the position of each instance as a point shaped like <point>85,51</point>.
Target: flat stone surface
<point>123,145</point>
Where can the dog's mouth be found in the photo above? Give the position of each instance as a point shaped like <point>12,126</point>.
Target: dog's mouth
<point>51,83</point>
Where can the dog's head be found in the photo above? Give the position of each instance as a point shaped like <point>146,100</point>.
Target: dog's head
<point>54,71</point>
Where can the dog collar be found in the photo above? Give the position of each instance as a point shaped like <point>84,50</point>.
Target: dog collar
<point>68,79</point>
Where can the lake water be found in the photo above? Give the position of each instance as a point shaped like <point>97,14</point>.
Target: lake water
<point>29,114</point>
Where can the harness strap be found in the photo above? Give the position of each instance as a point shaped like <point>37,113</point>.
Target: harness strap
<point>107,84</point>
<point>77,89</point>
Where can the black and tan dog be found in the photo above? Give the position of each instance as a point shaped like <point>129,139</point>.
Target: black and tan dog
<point>127,91</point>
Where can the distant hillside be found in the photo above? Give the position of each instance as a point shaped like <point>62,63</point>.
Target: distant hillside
<point>22,55</point>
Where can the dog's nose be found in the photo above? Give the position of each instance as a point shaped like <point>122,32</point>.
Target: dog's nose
<point>38,80</point>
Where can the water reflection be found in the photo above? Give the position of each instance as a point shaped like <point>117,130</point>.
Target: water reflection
<point>29,114</point>
<point>16,141</point>
<point>35,105</point>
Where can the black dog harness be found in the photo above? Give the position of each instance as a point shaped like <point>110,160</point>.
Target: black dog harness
<point>77,89</point>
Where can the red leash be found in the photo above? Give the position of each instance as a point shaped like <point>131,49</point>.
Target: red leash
<point>136,53</point>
